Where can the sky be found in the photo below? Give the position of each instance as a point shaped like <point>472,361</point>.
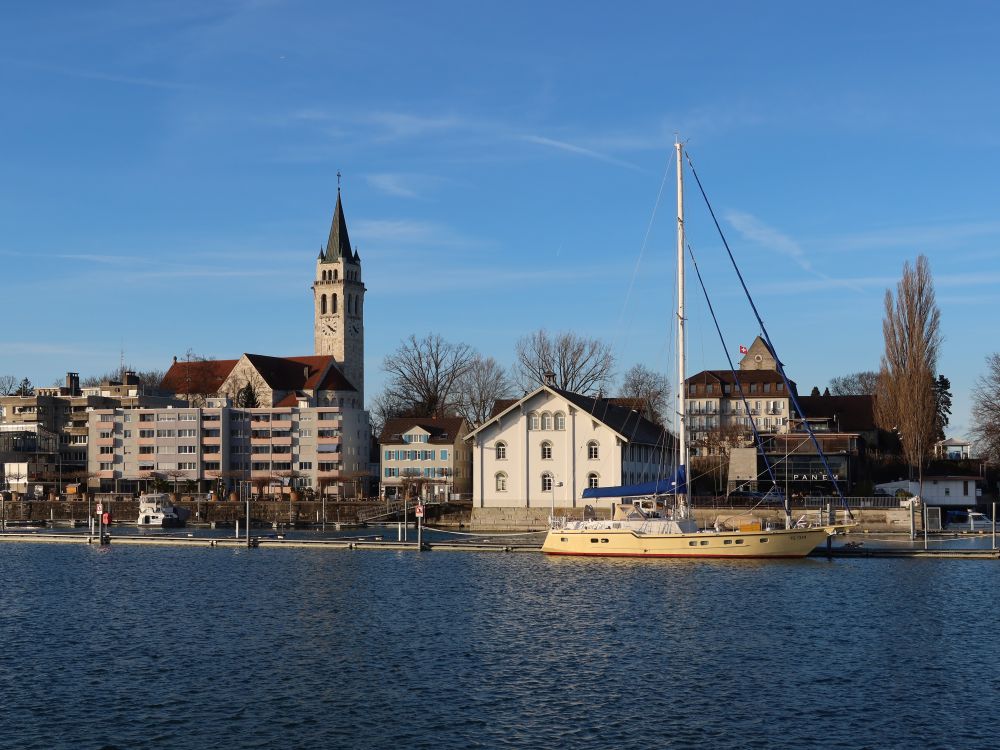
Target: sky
<point>169,174</point>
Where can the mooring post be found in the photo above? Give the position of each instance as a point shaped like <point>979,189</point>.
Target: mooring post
<point>913,522</point>
<point>994,518</point>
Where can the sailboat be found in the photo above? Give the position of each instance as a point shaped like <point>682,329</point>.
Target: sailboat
<point>648,528</point>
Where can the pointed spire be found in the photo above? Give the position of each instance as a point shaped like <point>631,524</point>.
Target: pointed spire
<point>339,244</point>
<point>357,258</point>
<point>320,253</point>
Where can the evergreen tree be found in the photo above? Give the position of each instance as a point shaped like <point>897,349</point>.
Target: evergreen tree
<point>25,388</point>
<point>826,391</point>
<point>942,402</point>
<point>815,391</point>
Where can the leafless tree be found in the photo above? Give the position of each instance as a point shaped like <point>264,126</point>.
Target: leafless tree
<point>986,410</point>
<point>424,373</point>
<point>863,383</point>
<point>649,387</point>
<point>385,406</point>
<point>912,332</point>
<point>714,446</point>
<point>249,392</point>
<point>175,475</point>
<point>8,385</point>
<point>483,383</point>
<point>579,364</point>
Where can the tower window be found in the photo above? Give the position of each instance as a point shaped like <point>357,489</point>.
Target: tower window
<point>322,304</point>
<point>335,273</point>
<point>333,304</point>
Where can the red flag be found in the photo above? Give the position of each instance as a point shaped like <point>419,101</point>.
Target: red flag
<point>743,349</point>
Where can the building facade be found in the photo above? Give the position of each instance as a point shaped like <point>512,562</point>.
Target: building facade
<point>544,449</point>
<point>427,456</point>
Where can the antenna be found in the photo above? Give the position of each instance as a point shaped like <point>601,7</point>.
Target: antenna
<point>338,180</point>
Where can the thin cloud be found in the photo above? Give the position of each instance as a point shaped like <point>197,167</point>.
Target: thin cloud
<point>403,184</point>
<point>95,75</point>
<point>403,232</point>
<point>579,150</point>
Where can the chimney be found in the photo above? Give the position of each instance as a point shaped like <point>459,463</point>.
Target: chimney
<point>73,383</point>
<point>550,378</point>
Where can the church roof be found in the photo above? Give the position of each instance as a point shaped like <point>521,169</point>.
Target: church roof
<point>339,244</point>
<point>300,373</point>
<point>203,377</point>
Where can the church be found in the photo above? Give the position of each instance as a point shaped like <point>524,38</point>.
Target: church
<point>286,420</point>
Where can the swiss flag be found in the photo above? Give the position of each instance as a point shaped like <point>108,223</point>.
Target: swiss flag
<point>743,349</point>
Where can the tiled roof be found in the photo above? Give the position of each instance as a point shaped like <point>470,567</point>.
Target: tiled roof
<point>625,421</point>
<point>850,413</point>
<point>745,377</point>
<point>201,377</point>
<point>442,430</point>
<point>300,373</point>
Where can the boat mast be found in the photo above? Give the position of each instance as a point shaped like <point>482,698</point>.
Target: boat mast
<point>681,396</point>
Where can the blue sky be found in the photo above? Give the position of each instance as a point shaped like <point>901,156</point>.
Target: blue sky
<point>169,175</point>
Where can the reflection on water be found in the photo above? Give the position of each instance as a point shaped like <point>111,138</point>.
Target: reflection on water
<point>184,648</point>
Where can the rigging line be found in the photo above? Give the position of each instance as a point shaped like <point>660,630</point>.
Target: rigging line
<point>739,385</point>
<point>767,340</point>
<point>645,239</point>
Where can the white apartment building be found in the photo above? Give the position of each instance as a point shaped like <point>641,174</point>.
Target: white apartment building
<point>428,455</point>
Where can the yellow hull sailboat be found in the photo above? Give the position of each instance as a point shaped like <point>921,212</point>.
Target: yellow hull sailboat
<point>645,529</point>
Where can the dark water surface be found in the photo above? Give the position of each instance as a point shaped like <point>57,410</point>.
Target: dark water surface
<point>135,647</point>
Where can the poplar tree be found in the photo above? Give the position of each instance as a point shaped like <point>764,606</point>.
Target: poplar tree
<point>911,328</point>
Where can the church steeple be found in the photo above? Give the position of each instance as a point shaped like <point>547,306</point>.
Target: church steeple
<point>339,244</point>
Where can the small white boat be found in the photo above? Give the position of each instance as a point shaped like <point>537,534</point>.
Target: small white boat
<point>157,511</point>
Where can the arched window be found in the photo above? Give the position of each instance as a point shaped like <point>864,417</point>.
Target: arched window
<point>546,421</point>
<point>546,450</point>
<point>593,480</point>
<point>335,274</point>
<point>560,421</point>
<point>333,303</point>
<point>501,451</point>
<point>533,421</point>
<point>593,450</point>
<point>322,304</point>
<point>546,482</point>
<point>501,481</point>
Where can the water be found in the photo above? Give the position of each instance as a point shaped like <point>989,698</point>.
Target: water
<point>133,647</point>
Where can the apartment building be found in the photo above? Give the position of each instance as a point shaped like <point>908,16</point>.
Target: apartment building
<point>427,456</point>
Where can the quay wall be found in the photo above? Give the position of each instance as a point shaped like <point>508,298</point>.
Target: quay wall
<point>537,519</point>
<point>301,512</point>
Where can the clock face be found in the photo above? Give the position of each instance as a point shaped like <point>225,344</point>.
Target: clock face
<point>355,328</point>
<point>330,329</point>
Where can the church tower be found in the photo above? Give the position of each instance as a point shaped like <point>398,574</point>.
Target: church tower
<point>338,302</point>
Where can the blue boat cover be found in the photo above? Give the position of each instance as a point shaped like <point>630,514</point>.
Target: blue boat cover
<point>662,486</point>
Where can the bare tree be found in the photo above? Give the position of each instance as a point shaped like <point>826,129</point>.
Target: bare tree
<point>912,332</point>
<point>424,373</point>
<point>579,364</point>
<point>649,387</point>
<point>863,383</point>
<point>482,384</point>
<point>8,385</point>
<point>385,406</point>
<point>986,410</point>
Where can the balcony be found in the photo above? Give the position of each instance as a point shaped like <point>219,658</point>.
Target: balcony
<point>105,442</point>
<point>281,440</point>
<point>281,424</point>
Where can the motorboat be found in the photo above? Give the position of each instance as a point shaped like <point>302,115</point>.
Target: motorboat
<point>967,521</point>
<point>156,511</point>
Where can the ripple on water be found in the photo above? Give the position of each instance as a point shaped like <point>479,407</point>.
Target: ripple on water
<point>143,648</point>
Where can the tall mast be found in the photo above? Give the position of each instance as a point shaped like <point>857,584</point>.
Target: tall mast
<point>681,396</point>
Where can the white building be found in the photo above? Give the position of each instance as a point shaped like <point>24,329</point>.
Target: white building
<point>959,491</point>
<point>544,449</point>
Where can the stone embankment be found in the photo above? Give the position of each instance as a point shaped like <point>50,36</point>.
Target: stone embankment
<point>224,513</point>
<point>532,519</point>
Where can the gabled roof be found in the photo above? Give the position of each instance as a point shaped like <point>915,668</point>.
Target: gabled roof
<point>299,373</point>
<point>726,376</point>
<point>627,422</point>
<point>201,377</point>
<point>338,245</point>
<point>442,430</point>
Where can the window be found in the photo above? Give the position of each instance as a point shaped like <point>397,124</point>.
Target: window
<point>501,451</point>
<point>593,450</point>
<point>444,454</point>
<point>106,449</point>
<point>187,433</point>
<point>127,433</point>
<point>305,465</point>
<point>145,450</point>
<point>546,450</point>
<point>546,482</point>
<point>560,421</point>
<point>211,466</point>
<point>388,455</point>
<point>546,421</point>
<point>166,433</point>
<point>105,435</point>
<point>189,466</point>
<point>593,480</point>
<point>532,421</point>
<point>106,467</point>
<point>165,449</point>
<point>767,387</point>
<point>709,389</point>
<point>188,417</point>
<point>166,417</point>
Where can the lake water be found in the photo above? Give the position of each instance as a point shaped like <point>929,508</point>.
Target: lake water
<point>133,647</point>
